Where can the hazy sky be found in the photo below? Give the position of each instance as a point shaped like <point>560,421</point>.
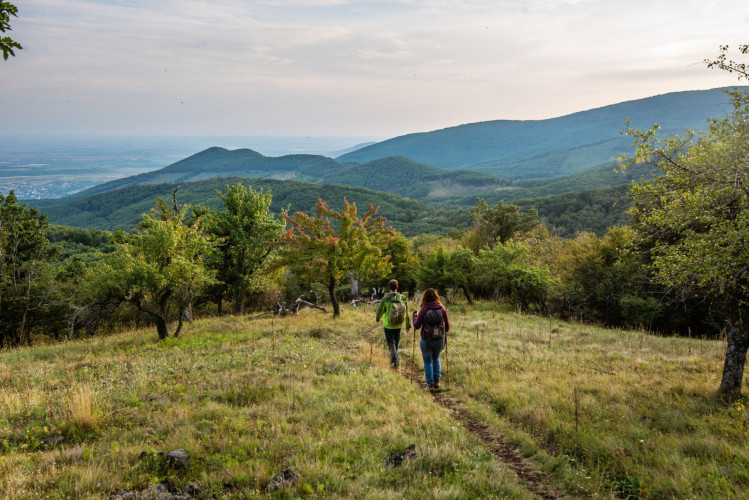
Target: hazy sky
<point>336,67</point>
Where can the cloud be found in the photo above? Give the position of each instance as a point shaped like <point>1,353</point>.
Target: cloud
<point>326,66</point>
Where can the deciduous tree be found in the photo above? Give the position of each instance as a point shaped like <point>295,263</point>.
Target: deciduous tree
<point>161,267</point>
<point>695,216</point>
<point>491,225</point>
<point>25,255</point>
<point>330,245</point>
<point>246,233</point>
<point>7,44</point>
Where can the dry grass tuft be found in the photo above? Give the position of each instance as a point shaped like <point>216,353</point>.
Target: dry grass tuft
<point>82,407</point>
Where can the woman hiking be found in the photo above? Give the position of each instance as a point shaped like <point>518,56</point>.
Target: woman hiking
<point>434,323</point>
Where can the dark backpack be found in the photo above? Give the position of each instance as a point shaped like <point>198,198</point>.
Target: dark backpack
<point>433,327</point>
<point>397,311</point>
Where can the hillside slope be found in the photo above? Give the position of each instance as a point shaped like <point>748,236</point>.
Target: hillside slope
<point>566,213</point>
<point>406,177</point>
<point>122,208</point>
<point>553,147</point>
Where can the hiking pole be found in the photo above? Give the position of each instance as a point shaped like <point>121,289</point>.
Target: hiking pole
<point>447,363</point>
<point>413,357</point>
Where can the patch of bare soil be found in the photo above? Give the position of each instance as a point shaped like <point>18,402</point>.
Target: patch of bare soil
<point>537,481</point>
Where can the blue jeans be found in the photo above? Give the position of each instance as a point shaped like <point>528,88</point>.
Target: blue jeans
<point>430,353</point>
<point>393,338</point>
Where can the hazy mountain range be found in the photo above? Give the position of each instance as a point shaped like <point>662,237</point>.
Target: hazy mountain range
<point>536,159</point>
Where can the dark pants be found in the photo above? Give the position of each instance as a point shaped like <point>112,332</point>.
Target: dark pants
<point>393,338</point>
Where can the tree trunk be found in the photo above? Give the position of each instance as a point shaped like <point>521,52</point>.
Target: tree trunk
<point>161,327</point>
<point>220,306</point>
<point>179,324</point>
<point>733,367</point>
<point>333,299</point>
<point>24,335</point>
<point>355,286</point>
<point>467,294</point>
<point>161,319</point>
<point>239,302</point>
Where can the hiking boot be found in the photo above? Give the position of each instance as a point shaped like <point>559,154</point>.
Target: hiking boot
<point>436,385</point>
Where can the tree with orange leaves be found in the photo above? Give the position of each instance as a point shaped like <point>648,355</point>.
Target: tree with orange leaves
<point>331,245</point>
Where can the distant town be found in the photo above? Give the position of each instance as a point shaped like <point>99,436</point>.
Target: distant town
<point>53,189</point>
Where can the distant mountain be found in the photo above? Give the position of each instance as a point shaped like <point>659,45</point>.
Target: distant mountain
<point>336,154</point>
<point>220,162</point>
<point>397,175</point>
<point>553,147</point>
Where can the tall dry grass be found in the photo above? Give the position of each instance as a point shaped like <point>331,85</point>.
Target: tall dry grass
<point>245,398</point>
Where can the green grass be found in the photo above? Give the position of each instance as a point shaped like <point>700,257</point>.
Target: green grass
<point>604,413</point>
<point>245,399</point>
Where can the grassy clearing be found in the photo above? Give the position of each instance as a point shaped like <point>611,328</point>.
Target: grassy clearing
<point>604,412</point>
<point>607,412</point>
<point>246,399</point>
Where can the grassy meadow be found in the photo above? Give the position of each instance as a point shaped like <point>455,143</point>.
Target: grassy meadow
<point>603,413</point>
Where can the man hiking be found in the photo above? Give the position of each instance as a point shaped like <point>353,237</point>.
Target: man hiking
<point>394,311</point>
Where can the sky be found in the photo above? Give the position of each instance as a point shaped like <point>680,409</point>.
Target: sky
<point>347,68</point>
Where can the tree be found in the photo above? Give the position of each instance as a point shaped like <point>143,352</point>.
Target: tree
<point>247,231</point>
<point>604,279</point>
<point>504,270</point>
<point>7,44</point>
<point>330,245</point>
<point>463,271</point>
<point>160,268</point>
<point>403,264</point>
<point>695,218</point>
<point>497,224</point>
<point>729,64</point>
<point>434,271</point>
<point>25,255</point>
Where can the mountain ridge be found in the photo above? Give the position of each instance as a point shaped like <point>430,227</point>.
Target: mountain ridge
<point>501,147</point>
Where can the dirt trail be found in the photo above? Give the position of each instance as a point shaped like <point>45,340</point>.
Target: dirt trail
<point>537,482</point>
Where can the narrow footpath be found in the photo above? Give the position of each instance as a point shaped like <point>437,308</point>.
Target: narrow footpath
<point>538,483</point>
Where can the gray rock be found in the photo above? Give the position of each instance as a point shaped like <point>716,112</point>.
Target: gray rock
<point>192,489</point>
<point>397,459</point>
<point>177,458</point>
<point>49,442</point>
<point>165,490</point>
<point>283,479</point>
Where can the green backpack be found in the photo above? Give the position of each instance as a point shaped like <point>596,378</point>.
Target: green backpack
<point>397,311</point>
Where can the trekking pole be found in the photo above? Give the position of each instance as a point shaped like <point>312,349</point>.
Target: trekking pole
<point>447,363</point>
<point>413,357</point>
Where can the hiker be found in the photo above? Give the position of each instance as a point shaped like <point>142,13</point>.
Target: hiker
<point>434,323</point>
<point>393,310</point>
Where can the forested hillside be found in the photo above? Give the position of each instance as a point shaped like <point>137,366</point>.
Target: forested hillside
<point>122,208</point>
<point>567,213</point>
<point>406,177</point>
<point>553,147</point>
<point>397,175</point>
